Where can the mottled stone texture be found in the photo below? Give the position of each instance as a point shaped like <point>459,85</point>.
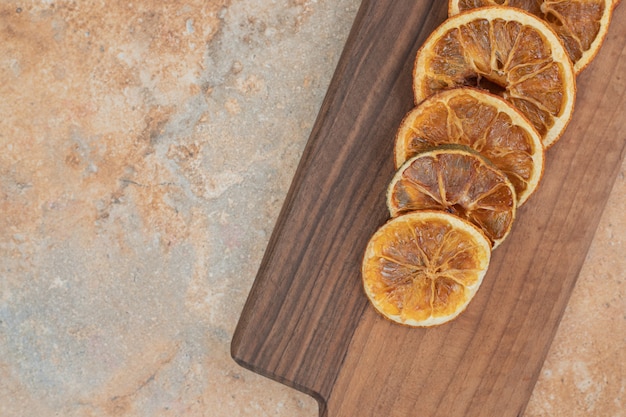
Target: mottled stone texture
<point>145,151</point>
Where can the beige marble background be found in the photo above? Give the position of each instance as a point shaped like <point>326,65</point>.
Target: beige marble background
<point>146,148</point>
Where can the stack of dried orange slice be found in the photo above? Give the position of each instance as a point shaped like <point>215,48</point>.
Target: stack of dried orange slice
<point>494,87</point>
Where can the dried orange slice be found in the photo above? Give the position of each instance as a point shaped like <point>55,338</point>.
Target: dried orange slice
<point>582,25</point>
<point>458,180</point>
<point>482,121</point>
<point>423,268</point>
<point>507,51</point>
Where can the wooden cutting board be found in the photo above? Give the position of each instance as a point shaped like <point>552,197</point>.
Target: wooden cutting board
<point>307,322</point>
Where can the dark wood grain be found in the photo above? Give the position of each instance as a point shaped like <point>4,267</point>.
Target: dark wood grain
<point>307,323</point>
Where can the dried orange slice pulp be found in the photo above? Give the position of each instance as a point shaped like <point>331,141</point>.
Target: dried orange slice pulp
<point>507,51</point>
<point>482,121</point>
<point>458,180</point>
<point>423,268</point>
<point>581,25</point>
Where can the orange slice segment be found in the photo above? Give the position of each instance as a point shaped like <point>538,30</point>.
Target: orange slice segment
<point>507,51</point>
<point>457,180</point>
<point>482,121</point>
<point>581,25</point>
<point>423,268</point>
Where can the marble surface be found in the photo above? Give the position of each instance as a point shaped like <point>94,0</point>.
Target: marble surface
<point>146,150</point>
